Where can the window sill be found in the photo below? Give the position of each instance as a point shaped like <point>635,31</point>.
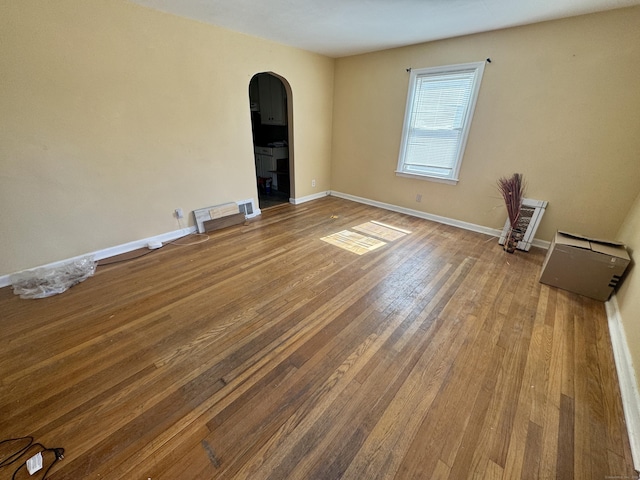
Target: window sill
<point>448,181</point>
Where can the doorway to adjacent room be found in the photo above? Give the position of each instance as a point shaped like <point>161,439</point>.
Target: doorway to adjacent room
<point>270,107</point>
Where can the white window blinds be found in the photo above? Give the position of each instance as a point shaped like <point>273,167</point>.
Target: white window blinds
<point>439,109</point>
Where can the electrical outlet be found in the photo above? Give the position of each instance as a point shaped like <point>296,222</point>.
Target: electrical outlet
<point>313,182</point>
<point>418,197</point>
<point>179,213</point>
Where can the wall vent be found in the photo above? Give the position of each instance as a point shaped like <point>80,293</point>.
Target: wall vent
<point>246,208</point>
<point>531,214</point>
<point>203,215</point>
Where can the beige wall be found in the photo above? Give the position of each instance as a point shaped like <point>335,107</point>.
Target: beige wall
<point>560,103</point>
<point>629,294</point>
<point>113,115</point>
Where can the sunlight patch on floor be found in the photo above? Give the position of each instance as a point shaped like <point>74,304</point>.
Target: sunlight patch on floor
<point>360,244</point>
<point>381,230</point>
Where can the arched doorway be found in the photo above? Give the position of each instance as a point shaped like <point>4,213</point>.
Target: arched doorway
<point>270,108</point>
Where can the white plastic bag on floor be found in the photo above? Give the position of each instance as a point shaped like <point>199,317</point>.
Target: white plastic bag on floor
<point>47,281</point>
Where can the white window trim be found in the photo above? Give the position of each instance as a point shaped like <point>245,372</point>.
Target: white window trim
<point>478,68</point>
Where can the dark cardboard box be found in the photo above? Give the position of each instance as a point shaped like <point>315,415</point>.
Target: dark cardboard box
<point>583,265</point>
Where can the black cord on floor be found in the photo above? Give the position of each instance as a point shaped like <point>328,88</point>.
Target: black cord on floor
<point>20,453</point>
<point>15,456</point>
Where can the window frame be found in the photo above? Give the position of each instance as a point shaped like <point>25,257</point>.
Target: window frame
<point>478,69</point>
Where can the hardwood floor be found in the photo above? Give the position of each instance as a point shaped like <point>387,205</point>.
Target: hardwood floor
<point>266,353</point>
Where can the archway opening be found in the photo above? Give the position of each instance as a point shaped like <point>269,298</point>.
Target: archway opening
<point>270,117</point>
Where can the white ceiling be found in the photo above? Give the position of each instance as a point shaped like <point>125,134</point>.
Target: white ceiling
<point>339,28</point>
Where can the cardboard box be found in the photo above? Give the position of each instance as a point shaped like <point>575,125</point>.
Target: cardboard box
<point>583,265</point>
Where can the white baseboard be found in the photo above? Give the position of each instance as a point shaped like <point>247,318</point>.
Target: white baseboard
<point>436,218</point>
<point>112,251</point>
<point>626,377</point>
<point>308,198</point>
<point>165,237</point>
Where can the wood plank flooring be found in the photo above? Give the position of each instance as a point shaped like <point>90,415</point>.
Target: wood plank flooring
<point>266,353</point>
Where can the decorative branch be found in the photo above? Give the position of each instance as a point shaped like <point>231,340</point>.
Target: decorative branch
<point>512,190</point>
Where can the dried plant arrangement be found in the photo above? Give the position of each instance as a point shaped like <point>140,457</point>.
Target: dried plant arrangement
<point>512,190</point>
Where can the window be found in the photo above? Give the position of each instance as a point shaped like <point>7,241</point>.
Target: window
<point>439,110</point>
